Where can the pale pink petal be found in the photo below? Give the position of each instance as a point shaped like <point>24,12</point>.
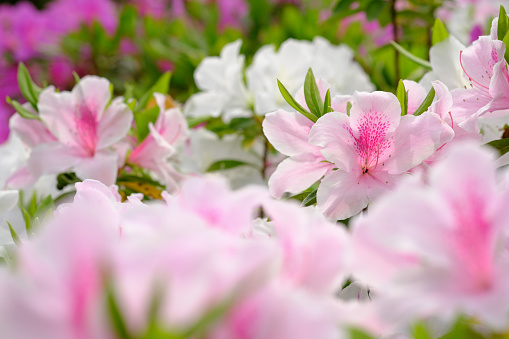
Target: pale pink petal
<point>339,103</point>
<point>417,138</point>
<point>288,132</point>
<point>294,175</point>
<point>333,133</point>
<point>102,166</point>
<point>499,88</point>
<point>478,61</point>
<point>114,124</point>
<point>57,112</point>
<point>342,194</point>
<point>52,158</point>
<point>31,131</point>
<point>94,93</point>
<point>377,112</point>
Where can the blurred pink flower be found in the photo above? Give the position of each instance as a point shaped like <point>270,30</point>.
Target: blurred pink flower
<point>440,249</point>
<point>65,16</point>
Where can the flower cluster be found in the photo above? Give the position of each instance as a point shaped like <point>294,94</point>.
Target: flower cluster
<point>385,217</point>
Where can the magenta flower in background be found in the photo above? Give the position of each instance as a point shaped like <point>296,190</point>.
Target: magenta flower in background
<point>65,16</point>
<point>22,38</point>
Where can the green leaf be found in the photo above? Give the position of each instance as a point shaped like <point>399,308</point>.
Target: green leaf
<point>65,179</point>
<point>226,164</point>
<point>292,102</point>
<point>28,220</point>
<point>27,87</point>
<point>439,32</point>
<point>348,107</point>
<point>312,94</point>
<point>342,5</point>
<point>44,206</point>
<point>115,314</point>
<point>402,95</point>
<point>76,77</point>
<point>420,331</point>
<point>161,86</point>
<point>374,8</point>
<point>327,103</point>
<point>506,42</point>
<point>359,334</point>
<point>143,119</point>
<point>426,103</point>
<point>14,235</point>
<point>410,56</point>
<point>310,199</point>
<point>502,145</point>
<point>22,110</point>
<point>503,23</point>
<point>193,122</point>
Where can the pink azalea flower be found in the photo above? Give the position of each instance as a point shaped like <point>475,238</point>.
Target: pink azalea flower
<point>57,286</point>
<point>278,311</point>
<point>440,249</point>
<point>478,62</point>
<point>86,126</point>
<point>372,149</point>
<point>314,250</point>
<point>155,152</point>
<point>213,202</point>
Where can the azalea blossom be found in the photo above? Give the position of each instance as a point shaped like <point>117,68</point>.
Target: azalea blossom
<point>85,126</point>
<point>290,63</point>
<point>223,90</point>
<point>440,249</point>
<point>155,152</point>
<point>371,150</point>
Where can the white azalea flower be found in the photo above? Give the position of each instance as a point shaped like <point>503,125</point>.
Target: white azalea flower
<point>446,66</point>
<point>223,92</point>
<point>290,63</point>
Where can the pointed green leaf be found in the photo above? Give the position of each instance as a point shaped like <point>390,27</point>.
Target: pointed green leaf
<point>28,220</point>
<point>312,94</point>
<point>327,103</point>
<point>420,331</point>
<point>14,235</point>
<point>503,23</point>
<point>410,56</point>
<point>402,95</point>
<point>502,145</point>
<point>506,42</point>
<point>426,103</point>
<point>22,111</point>
<point>143,119</point>
<point>115,314</point>
<point>226,164</point>
<point>310,199</point>
<point>292,102</point>
<point>359,334</point>
<point>161,86</point>
<point>342,5</point>
<point>27,87</point>
<point>439,32</point>
<point>76,77</point>
<point>348,108</point>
